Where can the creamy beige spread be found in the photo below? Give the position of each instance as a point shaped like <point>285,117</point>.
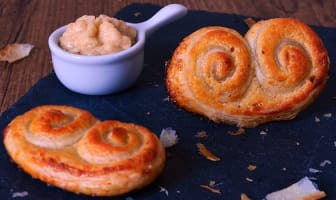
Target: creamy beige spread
<point>90,35</point>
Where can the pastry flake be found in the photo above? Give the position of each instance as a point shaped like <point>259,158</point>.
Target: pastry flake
<point>206,153</point>
<point>211,189</point>
<point>304,189</point>
<point>168,137</point>
<point>14,52</point>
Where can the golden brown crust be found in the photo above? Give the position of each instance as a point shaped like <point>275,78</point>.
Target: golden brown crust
<point>273,74</point>
<point>107,158</point>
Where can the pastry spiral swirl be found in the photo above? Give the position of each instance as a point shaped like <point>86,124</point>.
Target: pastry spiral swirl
<point>52,127</point>
<point>212,66</point>
<point>114,141</point>
<point>288,55</point>
<point>69,148</point>
<point>218,68</point>
<point>273,73</point>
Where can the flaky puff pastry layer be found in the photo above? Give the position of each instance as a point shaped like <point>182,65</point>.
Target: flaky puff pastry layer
<point>69,148</point>
<point>272,73</point>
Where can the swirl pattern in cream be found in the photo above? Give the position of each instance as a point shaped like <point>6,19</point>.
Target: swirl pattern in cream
<point>69,148</point>
<point>273,73</point>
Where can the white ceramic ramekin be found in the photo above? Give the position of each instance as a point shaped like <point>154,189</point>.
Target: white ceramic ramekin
<point>111,73</point>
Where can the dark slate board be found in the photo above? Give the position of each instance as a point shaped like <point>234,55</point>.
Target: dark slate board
<point>296,145</point>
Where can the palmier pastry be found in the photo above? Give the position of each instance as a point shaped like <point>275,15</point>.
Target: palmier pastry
<point>69,148</point>
<point>273,74</point>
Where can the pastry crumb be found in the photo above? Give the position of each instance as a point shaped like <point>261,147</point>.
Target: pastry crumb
<point>325,162</point>
<point>249,179</point>
<point>212,183</point>
<point>168,137</point>
<point>240,131</point>
<point>166,63</point>
<point>243,196</point>
<point>20,194</point>
<point>206,153</point>
<point>303,189</point>
<point>252,167</point>
<point>312,170</point>
<point>164,190</point>
<point>327,115</point>
<point>216,191</point>
<point>201,134</point>
<point>166,99</point>
<point>250,22</point>
<point>16,51</point>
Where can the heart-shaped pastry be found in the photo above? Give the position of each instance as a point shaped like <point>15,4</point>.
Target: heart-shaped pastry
<point>272,73</point>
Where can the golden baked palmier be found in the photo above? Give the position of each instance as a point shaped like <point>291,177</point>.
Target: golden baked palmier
<point>273,74</point>
<point>69,148</point>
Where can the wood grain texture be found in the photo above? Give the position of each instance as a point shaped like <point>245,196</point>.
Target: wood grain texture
<point>31,21</point>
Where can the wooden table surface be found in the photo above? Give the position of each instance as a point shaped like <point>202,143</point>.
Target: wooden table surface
<point>31,21</point>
